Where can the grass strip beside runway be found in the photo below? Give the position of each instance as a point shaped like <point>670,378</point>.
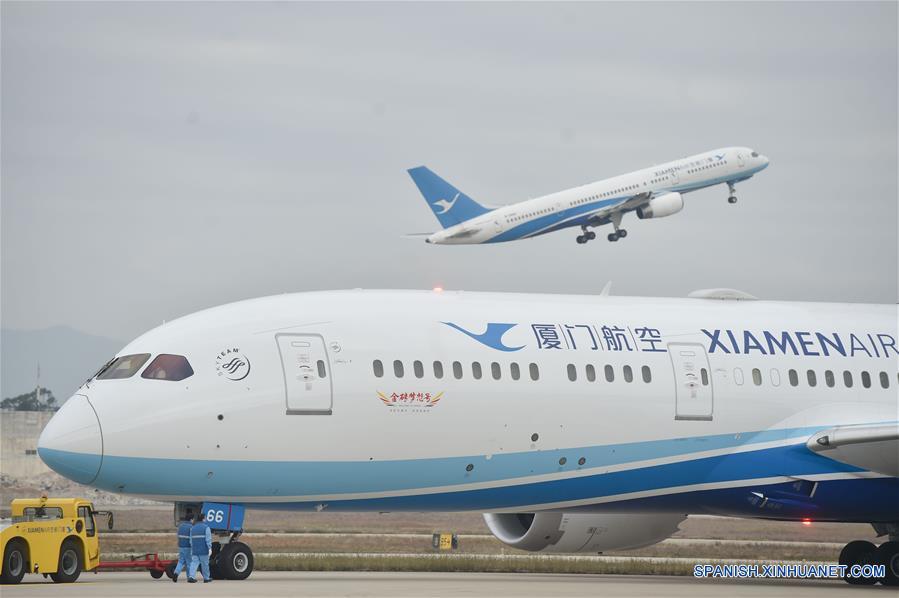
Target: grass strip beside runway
<point>485,563</point>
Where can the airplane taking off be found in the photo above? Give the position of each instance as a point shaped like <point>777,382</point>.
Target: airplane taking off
<point>652,193</point>
<point>576,423</point>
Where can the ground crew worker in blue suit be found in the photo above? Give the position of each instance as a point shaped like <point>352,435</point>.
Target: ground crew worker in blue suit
<point>201,549</point>
<point>183,546</point>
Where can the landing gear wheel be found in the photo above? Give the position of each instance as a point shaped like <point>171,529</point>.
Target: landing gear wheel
<point>215,571</point>
<point>236,561</point>
<point>622,233</point>
<point>590,235</point>
<point>13,569</point>
<point>612,237</point>
<point>69,567</point>
<point>732,199</point>
<point>888,556</point>
<point>156,573</point>
<point>858,552</point>
<point>581,240</point>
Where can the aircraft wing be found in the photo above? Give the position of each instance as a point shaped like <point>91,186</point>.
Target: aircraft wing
<point>631,203</point>
<point>872,447</point>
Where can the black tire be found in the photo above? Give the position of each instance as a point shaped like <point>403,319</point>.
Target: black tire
<point>70,562</point>
<point>622,233</point>
<point>236,561</point>
<point>156,573</point>
<point>888,556</point>
<point>580,240</point>
<point>731,199</point>
<point>170,570</point>
<point>215,572</point>
<point>591,235</point>
<point>612,237</point>
<point>858,552</point>
<point>15,562</point>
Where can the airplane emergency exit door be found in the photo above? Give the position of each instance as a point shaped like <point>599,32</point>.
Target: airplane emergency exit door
<point>307,373</point>
<point>693,383</point>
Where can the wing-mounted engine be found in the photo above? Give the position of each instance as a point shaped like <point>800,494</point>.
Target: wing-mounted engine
<point>581,532</point>
<point>661,206</point>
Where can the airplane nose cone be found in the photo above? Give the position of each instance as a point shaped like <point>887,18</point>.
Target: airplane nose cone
<point>72,442</point>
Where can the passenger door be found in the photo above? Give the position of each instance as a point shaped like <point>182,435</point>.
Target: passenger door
<point>307,373</point>
<point>692,380</point>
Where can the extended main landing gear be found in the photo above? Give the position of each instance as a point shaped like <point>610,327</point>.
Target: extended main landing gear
<point>859,555</point>
<point>588,235</point>
<point>732,193</point>
<point>618,234</point>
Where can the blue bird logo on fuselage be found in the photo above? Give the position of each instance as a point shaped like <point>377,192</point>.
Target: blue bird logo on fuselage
<point>492,337</point>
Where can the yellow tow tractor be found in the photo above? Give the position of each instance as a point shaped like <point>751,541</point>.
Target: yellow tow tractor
<point>56,537</point>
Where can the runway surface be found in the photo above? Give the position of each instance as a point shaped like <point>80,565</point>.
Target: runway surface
<point>492,585</point>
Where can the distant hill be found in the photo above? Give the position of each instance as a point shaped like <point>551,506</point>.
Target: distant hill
<point>67,358</point>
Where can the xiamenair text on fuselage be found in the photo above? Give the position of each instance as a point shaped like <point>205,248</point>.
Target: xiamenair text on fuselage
<point>651,192</point>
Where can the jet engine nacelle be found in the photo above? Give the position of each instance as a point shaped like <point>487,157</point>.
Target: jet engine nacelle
<point>581,532</point>
<point>663,205</point>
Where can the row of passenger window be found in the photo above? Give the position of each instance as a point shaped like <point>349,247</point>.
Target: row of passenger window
<point>706,167</point>
<point>811,378</point>
<point>627,373</point>
<point>529,215</point>
<point>615,191</point>
<point>458,370</point>
<point>514,371</point>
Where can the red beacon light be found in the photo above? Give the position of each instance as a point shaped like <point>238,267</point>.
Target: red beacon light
<point>806,521</point>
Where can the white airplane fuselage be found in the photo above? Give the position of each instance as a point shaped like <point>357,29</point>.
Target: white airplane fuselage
<point>604,201</point>
<point>332,400</point>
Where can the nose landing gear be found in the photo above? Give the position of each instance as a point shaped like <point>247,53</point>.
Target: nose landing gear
<point>732,193</point>
<point>232,560</point>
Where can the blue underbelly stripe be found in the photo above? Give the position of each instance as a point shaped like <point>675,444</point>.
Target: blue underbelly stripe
<point>292,478</point>
<point>165,477</point>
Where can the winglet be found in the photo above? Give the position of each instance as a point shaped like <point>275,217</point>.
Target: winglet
<point>606,290</point>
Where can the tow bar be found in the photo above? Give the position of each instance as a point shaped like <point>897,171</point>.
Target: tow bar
<point>149,561</point>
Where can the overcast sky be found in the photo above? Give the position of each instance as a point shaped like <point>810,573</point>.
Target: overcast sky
<point>162,158</point>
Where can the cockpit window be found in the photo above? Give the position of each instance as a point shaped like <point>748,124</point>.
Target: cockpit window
<point>123,367</point>
<point>168,367</point>
<point>755,154</point>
